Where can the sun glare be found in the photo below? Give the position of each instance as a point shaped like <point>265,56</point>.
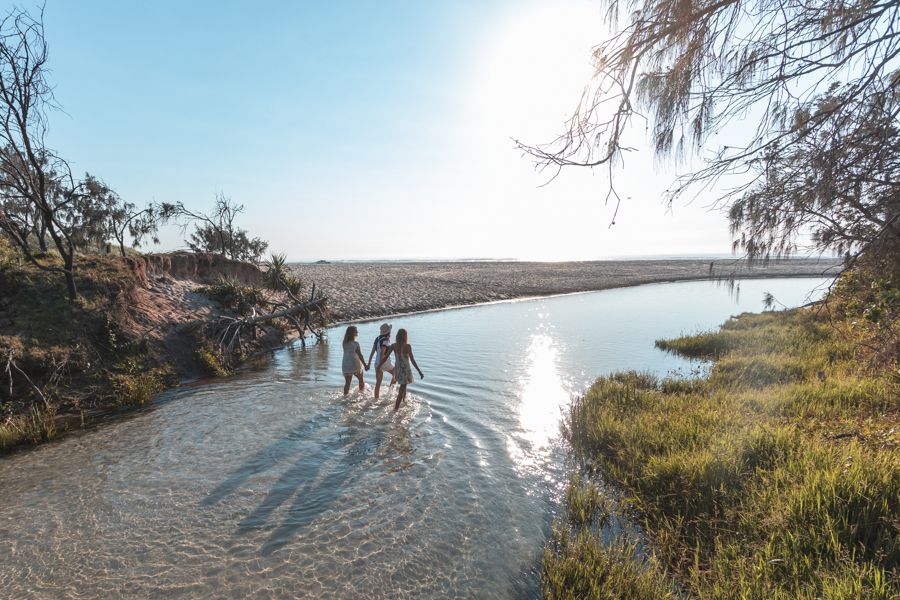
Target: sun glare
<point>543,393</point>
<point>533,69</point>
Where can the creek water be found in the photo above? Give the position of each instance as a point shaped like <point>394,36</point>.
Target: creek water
<point>272,484</point>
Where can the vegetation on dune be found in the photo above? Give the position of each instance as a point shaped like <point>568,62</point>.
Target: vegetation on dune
<point>274,306</point>
<point>68,357</point>
<point>65,361</point>
<point>777,476</point>
<point>216,231</point>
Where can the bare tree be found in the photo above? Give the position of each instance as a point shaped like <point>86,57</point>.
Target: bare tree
<point>216,231</point>
<point>802,76</point>
<point>30,173</point>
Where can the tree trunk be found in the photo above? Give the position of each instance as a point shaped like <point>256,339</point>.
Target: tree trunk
<point>41,231</point>
<point>67,252</point>
<point>288,312</point>
<point>70,281</point>
<point>70,277</point>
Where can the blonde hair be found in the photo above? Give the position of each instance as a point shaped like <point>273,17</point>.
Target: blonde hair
<point>401,342</point>
<point>350,334</point>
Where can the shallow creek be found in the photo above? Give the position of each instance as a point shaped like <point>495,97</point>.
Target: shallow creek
<point>271,484</point>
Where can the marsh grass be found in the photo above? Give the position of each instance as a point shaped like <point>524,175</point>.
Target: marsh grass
<point>778,476</point>
<point>577,564</point>
<point>586,506</point>
<point>34,427</point>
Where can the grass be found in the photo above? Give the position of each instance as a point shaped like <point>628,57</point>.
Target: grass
<point>34,427</point>
<point>234,295</point>
<point>777,476</point>
<point>210,362</point>
<point>577,564</point>
<point>586,505</point>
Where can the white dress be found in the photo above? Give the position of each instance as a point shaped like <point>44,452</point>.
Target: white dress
<point>351,365</point>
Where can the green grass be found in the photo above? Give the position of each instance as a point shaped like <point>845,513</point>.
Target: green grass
<point>577,564</point>
<point>210,362</point>
<point>34,427</point>
<point>778,476</point>
<point>586,505</point>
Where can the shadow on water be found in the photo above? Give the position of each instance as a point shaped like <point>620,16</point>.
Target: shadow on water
<point>317,487</point>
<point>316,479</point>
<point>316,492</point>
<point>268,457</point>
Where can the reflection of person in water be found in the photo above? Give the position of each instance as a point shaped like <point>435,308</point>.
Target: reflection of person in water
<point>402,370</point>
<point>353,360</point>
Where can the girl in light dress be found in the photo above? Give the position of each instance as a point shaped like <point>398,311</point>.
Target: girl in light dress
<point>353,360</point>
<point>402,370</point>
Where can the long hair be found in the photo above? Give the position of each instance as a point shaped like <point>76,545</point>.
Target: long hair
<point>401,341</point>
<point>350,334</point>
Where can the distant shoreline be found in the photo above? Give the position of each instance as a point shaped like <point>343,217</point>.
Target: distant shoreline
<point>365,291</point>
<point>648,257</point>
<point>375,318</point>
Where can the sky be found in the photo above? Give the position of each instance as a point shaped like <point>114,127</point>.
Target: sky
<point>358,129</point>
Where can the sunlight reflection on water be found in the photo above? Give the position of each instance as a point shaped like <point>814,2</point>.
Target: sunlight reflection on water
<point>543,394</point>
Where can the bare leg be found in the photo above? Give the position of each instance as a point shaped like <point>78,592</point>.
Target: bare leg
<point>362,381</point>
<point>347,379</point>
<point>379,375</point>
<point>401,395</point>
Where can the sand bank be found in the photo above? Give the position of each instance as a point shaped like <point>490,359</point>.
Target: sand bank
<point>360,291</point>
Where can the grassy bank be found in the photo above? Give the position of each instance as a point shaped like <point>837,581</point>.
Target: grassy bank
<point>778,476</point>
<point>61,361</point>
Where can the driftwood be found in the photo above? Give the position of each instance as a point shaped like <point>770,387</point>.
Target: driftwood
<point>232,330</point>
<point>8,369</point>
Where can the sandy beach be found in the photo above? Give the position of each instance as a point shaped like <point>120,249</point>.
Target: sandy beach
<point>367,290</point>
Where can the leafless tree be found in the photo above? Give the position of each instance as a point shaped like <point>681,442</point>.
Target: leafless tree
<point>805,77</point>
<point>30,173</point>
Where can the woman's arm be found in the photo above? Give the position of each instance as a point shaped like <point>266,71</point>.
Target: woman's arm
<point>361,358</point>
<point>371,354</point>
<point>385,355</point>
<point>412,359</point>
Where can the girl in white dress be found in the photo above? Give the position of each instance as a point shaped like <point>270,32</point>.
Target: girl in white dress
<point>353,360</point>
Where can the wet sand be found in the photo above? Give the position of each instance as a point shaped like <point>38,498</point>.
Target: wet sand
<point>359,291</point>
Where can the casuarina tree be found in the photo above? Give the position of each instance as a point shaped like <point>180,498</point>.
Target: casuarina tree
<point>803,93</point>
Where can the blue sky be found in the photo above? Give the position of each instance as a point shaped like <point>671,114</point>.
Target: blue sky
<point>355,130</point>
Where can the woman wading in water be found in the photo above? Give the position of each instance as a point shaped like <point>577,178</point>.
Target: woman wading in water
<point>382,342</point>
<point>353,360</point>
<point>402,370</point>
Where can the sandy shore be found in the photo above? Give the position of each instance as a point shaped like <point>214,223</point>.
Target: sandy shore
<point>360,291</point>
